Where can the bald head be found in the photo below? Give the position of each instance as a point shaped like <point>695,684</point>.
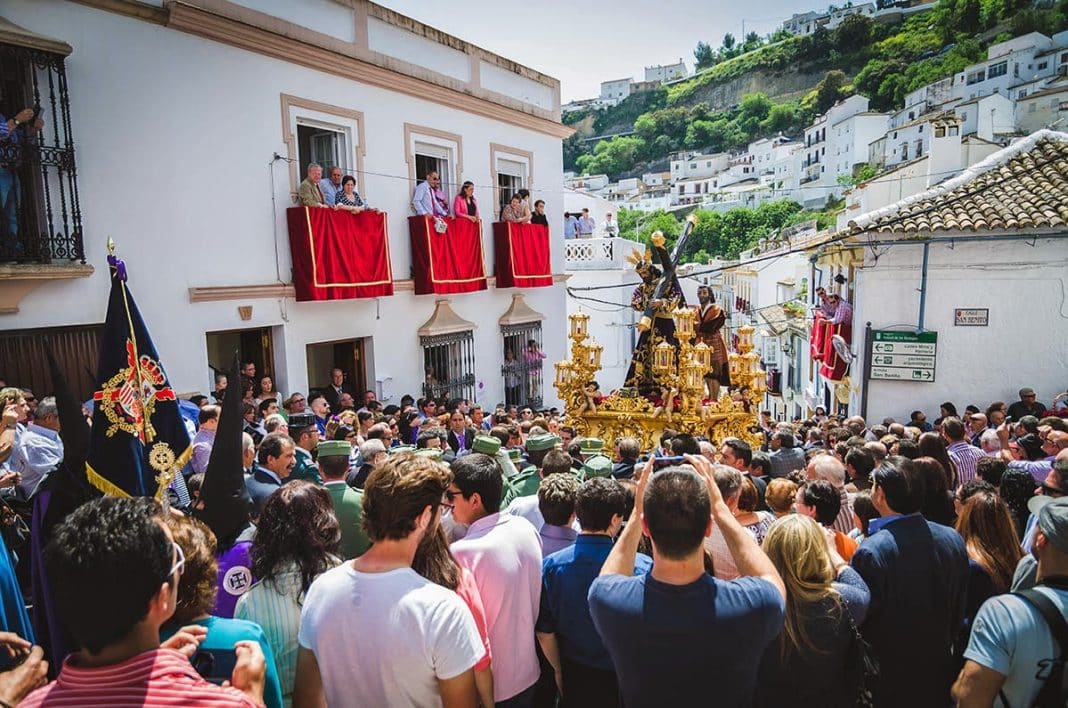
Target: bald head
<point>827,467</point>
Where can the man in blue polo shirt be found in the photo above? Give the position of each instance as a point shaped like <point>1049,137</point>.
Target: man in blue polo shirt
<point>677,635</point>
<point>565,630</point>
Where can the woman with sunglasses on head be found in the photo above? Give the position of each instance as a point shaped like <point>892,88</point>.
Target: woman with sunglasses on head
<point>199,571</point>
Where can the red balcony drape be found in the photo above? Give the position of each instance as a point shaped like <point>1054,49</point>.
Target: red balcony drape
<point>338,255</point>
<point>522,255</point>
<point>450,262</point>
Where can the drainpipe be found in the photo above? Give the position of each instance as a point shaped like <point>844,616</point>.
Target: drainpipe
<point>866,369</point>
<point>923,287</point>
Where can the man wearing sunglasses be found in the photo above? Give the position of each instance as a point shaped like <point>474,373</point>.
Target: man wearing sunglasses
<point>115,569</point>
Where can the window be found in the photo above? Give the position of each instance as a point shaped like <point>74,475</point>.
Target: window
<point>1043,65</point>
<point>904,151</point>
<point>430,150</point>
<point>449,365</point>
<point>920,130</point>
<point>513,168</point>
<point>1064,58</point>
<point>523,374</point>
<point>1022,94</point>
<point>42,221</point>
<point>996,70</point>
<point>919,148</point>
<point>693,165</point>
<point>976,77</point>
<point>329,135</point>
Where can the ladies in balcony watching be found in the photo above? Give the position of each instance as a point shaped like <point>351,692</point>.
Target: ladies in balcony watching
<point>515,212</point>
<point>348,199</point>
<point>465,205</point>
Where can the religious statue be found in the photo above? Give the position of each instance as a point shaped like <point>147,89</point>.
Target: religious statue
<point>656,297</point>
<point>710,321</point>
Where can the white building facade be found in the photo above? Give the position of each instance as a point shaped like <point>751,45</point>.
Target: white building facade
<point>220,105</point>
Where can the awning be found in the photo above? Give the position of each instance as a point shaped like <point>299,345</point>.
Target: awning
<point>10,33</point>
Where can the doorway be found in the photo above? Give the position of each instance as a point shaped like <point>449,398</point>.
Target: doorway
<point>348,355</point>
<point>253,345</point>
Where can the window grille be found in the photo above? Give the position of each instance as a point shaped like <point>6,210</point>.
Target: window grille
<point>523,375</point>
<point>449,365</point>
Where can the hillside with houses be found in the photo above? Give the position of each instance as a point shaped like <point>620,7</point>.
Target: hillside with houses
<point>894,79</point>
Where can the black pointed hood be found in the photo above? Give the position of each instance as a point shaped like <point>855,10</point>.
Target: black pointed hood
<point>226,501</point>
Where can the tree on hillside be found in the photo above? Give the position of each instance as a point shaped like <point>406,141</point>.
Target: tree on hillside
<point>729,41</point>
<point>829,90</point>
<point>704,55</point>
<point>781,118</point>
<point>752,41</point>
<point>968,17</point>
<point>816,46</point>
<point>854,33</point>
<point>612,157</point>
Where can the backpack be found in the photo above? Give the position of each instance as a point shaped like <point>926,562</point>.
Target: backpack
<point>1054,692</point>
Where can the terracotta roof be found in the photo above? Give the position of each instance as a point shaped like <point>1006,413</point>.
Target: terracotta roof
<point>1024,186</point>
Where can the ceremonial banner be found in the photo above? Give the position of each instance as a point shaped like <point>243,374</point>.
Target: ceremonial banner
<point>834,368</point>
<point>817,339</point>
<point>448,262</point>
<point>138,441</point>
<point>522,255</point>
<point>338,255</point>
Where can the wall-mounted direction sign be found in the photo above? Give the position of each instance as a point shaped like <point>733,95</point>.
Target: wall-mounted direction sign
<point>903,356</point>
<point>971,317</point>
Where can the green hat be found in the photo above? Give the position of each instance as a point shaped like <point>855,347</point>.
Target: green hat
<point>537,443</point>
<point>514,453</point>
<point>597,466</point>
<point>401,448</point>
<point>334,448</point>
<point>434,453</point>
<point>486,444</point>
<point>591,446</point>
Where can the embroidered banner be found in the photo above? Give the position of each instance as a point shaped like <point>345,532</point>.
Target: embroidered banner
<point>522,255</point>
<point>449,262</point>
<point>338,255</point>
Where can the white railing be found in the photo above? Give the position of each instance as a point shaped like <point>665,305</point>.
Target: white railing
<point>598,253</point>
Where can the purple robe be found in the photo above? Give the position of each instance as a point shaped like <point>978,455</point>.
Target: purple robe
<point>235,577</point>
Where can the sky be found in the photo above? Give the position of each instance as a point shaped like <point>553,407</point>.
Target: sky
<point>585,43</point>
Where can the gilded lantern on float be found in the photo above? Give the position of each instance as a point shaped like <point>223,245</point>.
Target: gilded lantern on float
<point>760,383</point>
<point>663,358</point>
<point>703,354</point>
<point>694,375</point>
<point>593,354</point>
<point>737,364</point>
<point>580,323</point>
<point>752,363</point>
<point>563,373</point>
<point>683,318</point>
<point>745,337</point>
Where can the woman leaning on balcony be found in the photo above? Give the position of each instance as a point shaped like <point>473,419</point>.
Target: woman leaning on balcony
<point>348,199</point>
<point>465,205</point>
<point>515,211</point>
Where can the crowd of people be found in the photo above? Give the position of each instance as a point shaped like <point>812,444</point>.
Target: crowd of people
<point>431,553</point>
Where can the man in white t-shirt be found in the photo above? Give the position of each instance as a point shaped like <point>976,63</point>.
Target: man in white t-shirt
<point>503,552</point>
<point>372,631</point>
<point>1011,643</point>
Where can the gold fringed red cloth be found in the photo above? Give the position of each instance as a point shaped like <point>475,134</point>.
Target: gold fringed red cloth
<point>522,255</point>
<point>338,255</point>
<point>450,262</point>
<point>832,366</point>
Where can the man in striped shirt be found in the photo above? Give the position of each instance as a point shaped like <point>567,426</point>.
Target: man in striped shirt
<point>962,453</point>
<point>115,569</point>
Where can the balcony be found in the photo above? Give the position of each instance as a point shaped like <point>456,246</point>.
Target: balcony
<point>40,211</point>
<point>599,253</point>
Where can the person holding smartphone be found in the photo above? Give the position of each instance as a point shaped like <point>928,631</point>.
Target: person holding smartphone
<point>116,569</point>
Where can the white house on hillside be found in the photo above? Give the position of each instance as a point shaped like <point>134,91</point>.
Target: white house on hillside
<point>221,105</point>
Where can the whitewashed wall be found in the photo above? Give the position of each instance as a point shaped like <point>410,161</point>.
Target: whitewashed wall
<point>1024,344</point>
<point>174,135</point>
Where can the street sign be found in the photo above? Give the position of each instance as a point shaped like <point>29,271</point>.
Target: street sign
<point>903,356</point>
<point>971,317</point>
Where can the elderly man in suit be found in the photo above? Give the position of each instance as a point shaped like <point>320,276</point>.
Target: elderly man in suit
<point>276,459</point>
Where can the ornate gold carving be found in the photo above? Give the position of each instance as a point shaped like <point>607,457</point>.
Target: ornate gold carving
<point>680,373</point>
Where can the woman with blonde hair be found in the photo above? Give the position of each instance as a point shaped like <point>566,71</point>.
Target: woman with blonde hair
<point>813,662</point>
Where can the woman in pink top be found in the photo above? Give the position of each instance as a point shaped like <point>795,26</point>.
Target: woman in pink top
<point>435,562</point>
<point>465,205</point>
